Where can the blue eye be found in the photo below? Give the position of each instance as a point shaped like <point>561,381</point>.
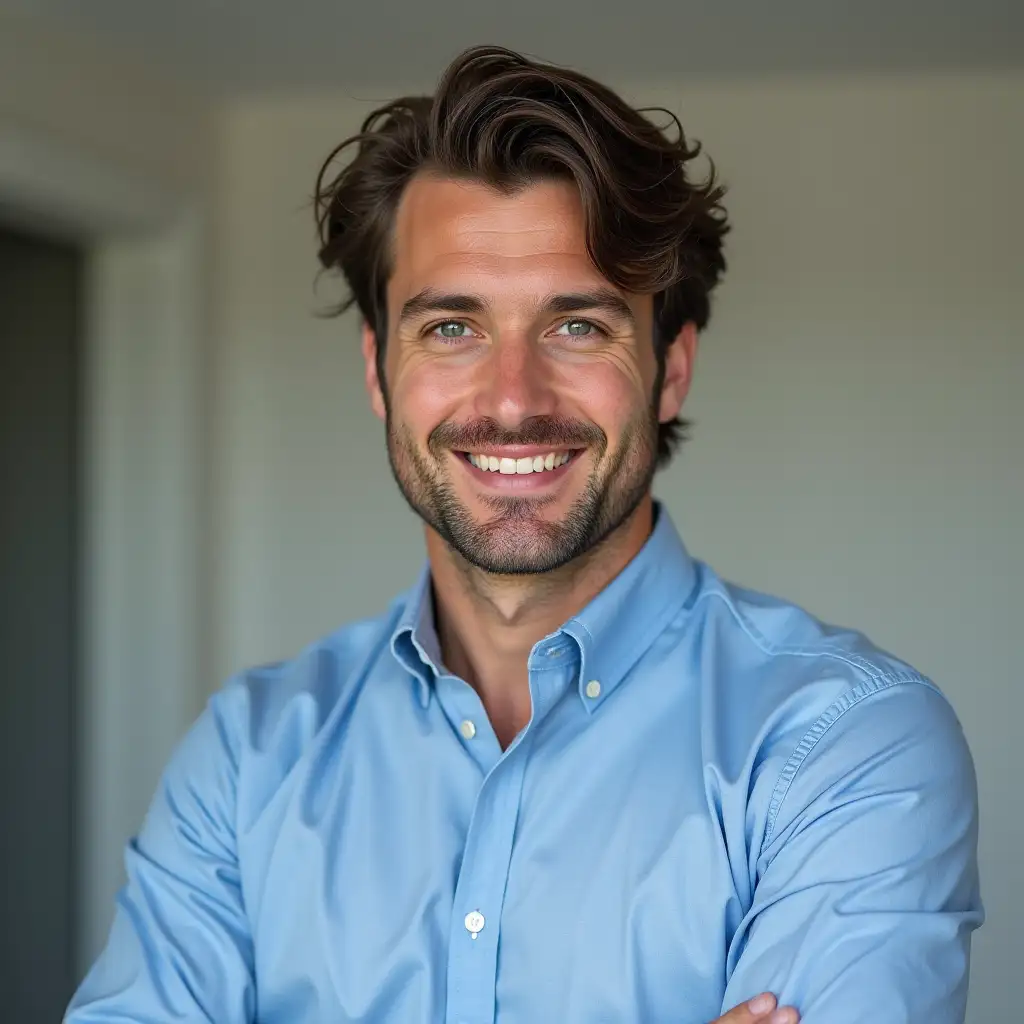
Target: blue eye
<point>451,330</point>
<point>579,329</point>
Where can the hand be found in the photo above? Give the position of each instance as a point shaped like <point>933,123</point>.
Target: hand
<point>760,1010</point>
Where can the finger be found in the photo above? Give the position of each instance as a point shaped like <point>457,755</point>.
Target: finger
<point>762,1009</point>
<point>761,1005</point>
<point>750,1011</point>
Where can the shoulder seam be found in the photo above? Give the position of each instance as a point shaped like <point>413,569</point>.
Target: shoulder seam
<point>828,718</point>
<point>874,679</point>
<point>871,670</point>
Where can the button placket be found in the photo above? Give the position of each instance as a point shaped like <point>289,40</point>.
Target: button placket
<point>480,890</point>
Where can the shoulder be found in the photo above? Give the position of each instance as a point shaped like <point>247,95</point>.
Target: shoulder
<point>786,635</point>
<point>311,684</point>
<point>778,655</point>
<point>811,703</point>
<point>264,719</point>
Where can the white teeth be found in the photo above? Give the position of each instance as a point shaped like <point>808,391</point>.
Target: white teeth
<point>520,467</point>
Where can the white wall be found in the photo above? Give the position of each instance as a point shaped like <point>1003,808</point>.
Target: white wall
<point>97,99</point>
<point>858,406</point>
<point>97,148</point>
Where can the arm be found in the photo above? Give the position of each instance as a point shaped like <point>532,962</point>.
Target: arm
<point>180,947</point>
<point>867,887</point>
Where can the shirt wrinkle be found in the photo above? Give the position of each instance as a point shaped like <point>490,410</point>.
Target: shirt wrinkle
<point>343,834</point>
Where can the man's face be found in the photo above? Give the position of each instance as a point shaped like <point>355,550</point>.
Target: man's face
<point>520,407</point>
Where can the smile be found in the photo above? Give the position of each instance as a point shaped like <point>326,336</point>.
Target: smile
<point>518,466</point>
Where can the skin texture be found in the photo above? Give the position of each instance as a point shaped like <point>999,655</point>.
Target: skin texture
<point>485,354</point>
<point>513,557</point>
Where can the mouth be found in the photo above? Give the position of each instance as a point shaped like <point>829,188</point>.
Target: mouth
<point>519,467</point>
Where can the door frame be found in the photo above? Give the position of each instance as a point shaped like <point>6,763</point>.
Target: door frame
<point>142,611</point>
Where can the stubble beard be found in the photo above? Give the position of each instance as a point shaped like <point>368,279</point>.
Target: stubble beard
<point>516,539</point>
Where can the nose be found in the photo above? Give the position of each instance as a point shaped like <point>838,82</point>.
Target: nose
<point>516,383</point>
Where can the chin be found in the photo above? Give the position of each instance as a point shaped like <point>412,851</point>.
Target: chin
<point>526,546</point>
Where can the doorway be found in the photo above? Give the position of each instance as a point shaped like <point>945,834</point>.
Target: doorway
<point>41,289</point>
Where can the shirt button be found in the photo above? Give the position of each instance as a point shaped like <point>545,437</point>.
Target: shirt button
<point>556,652</point>
<point>468,730</point>
<point>593,689</point>
<point>475,923</point>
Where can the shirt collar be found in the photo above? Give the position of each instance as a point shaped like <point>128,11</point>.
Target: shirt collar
<point>414,641</point>
<point>612,632</point>
<point>619,625</point>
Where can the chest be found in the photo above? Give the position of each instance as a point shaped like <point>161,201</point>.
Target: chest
<point>587,875</point>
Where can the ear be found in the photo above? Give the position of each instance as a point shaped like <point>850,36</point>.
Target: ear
<point>373,385</point>
<point>679,359</point>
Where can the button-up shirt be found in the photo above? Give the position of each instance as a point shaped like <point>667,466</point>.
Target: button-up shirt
<point>715,795</point>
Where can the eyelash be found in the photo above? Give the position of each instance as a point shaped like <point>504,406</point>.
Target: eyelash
<point>432,332</point>
<point>596,329</point>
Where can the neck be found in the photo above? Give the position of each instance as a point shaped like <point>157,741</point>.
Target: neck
<point>488,624</point>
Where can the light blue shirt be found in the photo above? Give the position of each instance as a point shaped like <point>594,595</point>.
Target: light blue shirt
<point>716,795</point>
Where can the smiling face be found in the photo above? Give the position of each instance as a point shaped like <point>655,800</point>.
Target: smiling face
<point>520,384</point>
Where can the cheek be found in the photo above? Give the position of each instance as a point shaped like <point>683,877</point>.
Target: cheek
<point>424,394</point>
<point>605,393</point>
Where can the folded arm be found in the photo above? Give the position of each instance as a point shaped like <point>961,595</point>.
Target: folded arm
<point>180,947</point>
<point>867,887</point>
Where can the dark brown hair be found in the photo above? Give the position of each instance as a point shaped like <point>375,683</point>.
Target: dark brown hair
<point>502,119</point>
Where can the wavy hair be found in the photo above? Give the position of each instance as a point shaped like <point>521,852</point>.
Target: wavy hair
<point>500,118</point>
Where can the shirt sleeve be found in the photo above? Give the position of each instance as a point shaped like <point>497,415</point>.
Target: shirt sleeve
<point>180,947</point>
<point>866,887</point>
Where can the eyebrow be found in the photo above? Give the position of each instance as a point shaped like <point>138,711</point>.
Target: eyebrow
<point>604,300</point>
<point>431,301</point>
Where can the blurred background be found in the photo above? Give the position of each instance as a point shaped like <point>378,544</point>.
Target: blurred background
<point>191,480</point>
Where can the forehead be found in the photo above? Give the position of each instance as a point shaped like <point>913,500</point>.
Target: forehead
<point>463,233</point>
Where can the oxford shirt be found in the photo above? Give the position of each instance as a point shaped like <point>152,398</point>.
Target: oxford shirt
<point>715,795</point>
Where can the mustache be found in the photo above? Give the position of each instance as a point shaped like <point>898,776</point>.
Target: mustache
<point>554,431</point>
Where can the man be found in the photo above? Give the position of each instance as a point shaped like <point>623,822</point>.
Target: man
<point>572,775</point>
